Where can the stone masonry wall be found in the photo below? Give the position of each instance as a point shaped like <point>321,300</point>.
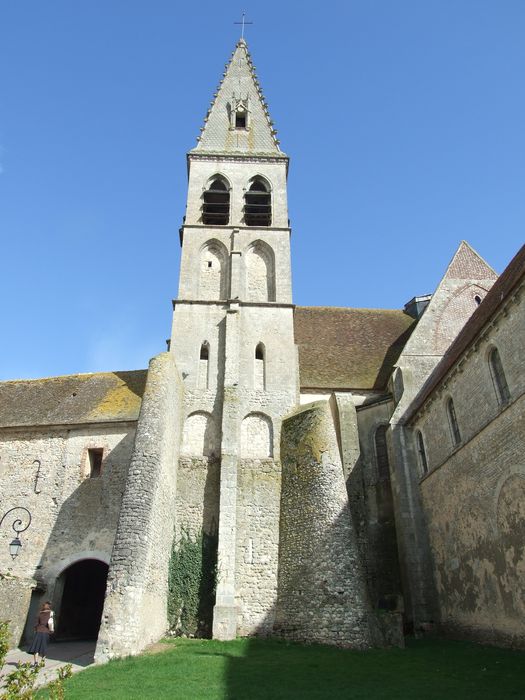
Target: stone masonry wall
<point>197,505</point>
<point>452,304</point>
<point>136,598</point>
<point>258,498</point>
<point>376,529</point>
<point>15,597</point>
<point>321,588</point>
<point>474,493</point>
<point>74,517</point>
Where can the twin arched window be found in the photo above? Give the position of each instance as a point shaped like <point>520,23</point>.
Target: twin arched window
<point>258,204</point>
<point>216,203</point>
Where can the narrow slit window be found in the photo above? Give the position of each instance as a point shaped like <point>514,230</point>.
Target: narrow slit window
<point>259,370</point>
<point>383,466</point>
<point>421,452</point>
<point>95,462</point>
<point>258,205</point>
<point>204,366</point>
<point>498,377</point>
<point>453,422</point>
<point>216,204</point>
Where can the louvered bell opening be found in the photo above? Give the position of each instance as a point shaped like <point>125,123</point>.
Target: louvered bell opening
<point>257,206</point>
<point>216,205</point>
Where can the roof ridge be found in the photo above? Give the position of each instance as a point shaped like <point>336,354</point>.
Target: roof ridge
<point>69,376</point>
<point>351,308</point>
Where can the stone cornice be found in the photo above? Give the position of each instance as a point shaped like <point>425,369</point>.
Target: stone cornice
<point>228,157</point>
<point>227,302</point>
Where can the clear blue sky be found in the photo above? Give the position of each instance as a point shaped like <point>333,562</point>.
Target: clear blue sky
<point>404,121</point>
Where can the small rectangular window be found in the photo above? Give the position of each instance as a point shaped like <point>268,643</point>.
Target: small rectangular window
<point>240,120</point>
<point>95,462</point>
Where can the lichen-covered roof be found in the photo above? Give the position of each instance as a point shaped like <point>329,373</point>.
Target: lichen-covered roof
<point>342,348</point>
<point>239,83</point>
<point>72,399</point>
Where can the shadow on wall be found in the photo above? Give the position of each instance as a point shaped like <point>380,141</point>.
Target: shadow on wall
<point>254,670</point>
<point>321,593</point>
<point>375,528</point>
<point>74,564</point>
<point>391,357</point>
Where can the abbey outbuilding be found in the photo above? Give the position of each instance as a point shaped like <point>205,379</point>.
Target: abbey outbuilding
<point>355,473</point>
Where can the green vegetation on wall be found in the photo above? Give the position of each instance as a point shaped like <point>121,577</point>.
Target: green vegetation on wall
<point>192,578</point>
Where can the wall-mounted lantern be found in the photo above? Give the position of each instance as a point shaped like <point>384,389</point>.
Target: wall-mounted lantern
<point>18,526</point>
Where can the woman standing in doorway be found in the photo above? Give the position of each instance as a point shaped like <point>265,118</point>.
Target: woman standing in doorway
<point>44,626</point>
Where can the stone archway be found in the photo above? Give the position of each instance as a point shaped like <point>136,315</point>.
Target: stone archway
<point>82,587</point>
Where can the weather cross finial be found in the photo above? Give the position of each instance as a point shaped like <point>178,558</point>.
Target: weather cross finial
<point>243,23</point>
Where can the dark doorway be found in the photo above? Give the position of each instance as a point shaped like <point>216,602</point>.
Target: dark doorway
<point>82,600</point>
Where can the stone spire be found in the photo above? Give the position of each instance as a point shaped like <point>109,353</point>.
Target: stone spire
<point>238,121</point>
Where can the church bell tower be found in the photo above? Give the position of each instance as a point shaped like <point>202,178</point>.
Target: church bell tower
<point>233,341</point>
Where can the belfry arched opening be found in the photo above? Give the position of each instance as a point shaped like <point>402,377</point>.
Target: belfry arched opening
<point>81,603</point>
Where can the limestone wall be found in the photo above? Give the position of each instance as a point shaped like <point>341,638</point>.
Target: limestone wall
<point>135,608</point>
<point>258,501</point>
<point>321,585</point>
<point>371,498</point>
<point>74,516</point>
<point>15,597</point>
<point>466,281</point>
<point>474,492</point>
<point>238,174</point>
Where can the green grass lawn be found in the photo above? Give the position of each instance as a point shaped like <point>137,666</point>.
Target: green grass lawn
<point>255,669</point>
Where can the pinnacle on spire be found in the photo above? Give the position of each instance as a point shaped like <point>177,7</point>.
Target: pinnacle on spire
<point>238,121</point>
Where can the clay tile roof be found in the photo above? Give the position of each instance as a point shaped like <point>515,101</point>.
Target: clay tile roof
<point>496,296</point>
<point>342,348</point>
<point>76,398</point>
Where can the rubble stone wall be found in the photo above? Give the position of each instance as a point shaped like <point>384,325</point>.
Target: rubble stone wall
<point>135,611</point>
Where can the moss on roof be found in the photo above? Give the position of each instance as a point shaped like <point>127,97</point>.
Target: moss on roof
<point>341,348</point>
<point>76,398</point>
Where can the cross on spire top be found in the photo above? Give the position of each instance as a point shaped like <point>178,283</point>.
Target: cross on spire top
<point>243,22</point>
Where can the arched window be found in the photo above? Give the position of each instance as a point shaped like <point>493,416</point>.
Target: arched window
<point>421,453</point>
<point>453,423</point>
<point>258,204</point>
<point>256,436</point>
<point>259,379</point>
<point>204,366</point>
<point>200,437</point>
<point>213,273</point>
<point>498,377</point>
<point>260,275</point>
<point>383,467</point>
<point>216,204</point>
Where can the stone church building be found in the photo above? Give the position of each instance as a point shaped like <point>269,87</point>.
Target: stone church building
<point>360,470</point>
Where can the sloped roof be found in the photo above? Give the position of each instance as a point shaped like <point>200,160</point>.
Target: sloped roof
<point>76,398</point>
<point>496,296</point>
<point>239,83</point>
<point>341,348</point>
<point>468,264</point>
